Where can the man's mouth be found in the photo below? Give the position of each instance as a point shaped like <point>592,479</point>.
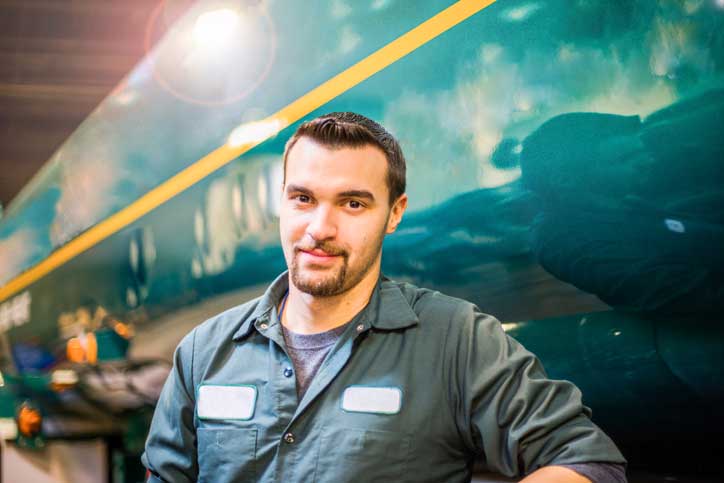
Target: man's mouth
<point>319,255</point>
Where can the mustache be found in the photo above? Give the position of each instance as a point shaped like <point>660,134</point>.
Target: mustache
<point>326,247</point>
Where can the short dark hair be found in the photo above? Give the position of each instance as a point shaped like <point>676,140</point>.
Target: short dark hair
<point>349,129</point>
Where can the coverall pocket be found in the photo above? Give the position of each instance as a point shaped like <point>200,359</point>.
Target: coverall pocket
<point>226,454</point>
<point>362,455</point>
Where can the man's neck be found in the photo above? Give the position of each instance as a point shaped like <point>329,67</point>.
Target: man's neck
<point>307,314</point>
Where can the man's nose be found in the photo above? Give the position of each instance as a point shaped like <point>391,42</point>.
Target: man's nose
<point>322,226</point>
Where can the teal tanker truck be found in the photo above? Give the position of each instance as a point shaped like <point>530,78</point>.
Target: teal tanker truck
<point>565,173</point>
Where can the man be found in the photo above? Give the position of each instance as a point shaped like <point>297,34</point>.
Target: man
<point>339,374</point>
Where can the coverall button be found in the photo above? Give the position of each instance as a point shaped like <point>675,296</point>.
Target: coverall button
<point>288,372</point>
<point>263,326</point>
<point>289,438</point>
<point>360,327</point>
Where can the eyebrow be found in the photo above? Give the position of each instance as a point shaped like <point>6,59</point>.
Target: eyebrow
<point>364,194</point>
<point>294,188</point>
<point>357,194</point>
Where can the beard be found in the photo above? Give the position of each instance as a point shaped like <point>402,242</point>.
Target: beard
<point>339,279</point>
<point>332,284</point>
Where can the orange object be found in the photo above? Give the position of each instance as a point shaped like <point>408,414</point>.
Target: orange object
<point>75,351</point>
<point>124,330</point>
<point>29,421</point>
<point>83,349</point>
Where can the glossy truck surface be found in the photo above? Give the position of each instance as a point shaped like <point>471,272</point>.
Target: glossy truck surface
<point>565,173</point>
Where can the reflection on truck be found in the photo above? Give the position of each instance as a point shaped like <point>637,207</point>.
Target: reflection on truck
<point>631,210</point>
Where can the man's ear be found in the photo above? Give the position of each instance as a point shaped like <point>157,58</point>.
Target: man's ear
<point>398,209</point>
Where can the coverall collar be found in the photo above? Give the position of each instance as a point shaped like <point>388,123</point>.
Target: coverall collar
<point>388,309</point>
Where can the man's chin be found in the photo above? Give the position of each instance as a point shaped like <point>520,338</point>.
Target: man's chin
<point>317,285</point>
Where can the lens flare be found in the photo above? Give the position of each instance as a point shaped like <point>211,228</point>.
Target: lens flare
<point>215,28</point>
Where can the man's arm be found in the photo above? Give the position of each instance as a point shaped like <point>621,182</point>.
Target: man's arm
<point>170,453</point>
<point>554,474</point>
<point>510,414</point>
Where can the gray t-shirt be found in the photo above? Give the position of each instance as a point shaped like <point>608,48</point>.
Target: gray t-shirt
<point>307,352</point>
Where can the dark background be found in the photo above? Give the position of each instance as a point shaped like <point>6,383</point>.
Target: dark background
<point>58,60</point>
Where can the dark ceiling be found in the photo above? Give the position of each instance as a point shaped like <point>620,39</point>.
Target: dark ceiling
<point>58,60</point>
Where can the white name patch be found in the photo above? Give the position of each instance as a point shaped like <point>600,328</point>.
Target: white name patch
<point>226,402</point>
<point>365,399</point>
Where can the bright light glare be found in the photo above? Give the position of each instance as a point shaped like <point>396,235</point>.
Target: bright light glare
<point>125,97</point>
<point>215,28</point>
<point>254,132</point>
<point>523,103</point>
<point>720,3</point>
<point>518,14</point>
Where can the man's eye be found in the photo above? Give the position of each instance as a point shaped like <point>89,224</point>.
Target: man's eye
<point>302,198</point>
<point>354,204</point>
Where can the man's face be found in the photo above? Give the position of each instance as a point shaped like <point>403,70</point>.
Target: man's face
<point>334,215</point>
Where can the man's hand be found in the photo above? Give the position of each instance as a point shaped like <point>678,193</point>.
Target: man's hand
<point>554,474</point>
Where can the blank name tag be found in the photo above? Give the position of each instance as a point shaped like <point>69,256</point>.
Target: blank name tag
<point>365,399</point>
<point>226,402</point>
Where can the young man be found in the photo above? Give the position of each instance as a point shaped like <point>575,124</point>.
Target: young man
<point>338,374</point>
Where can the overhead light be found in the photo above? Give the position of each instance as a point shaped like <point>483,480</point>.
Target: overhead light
<point>215,28</point>
<point>255,132</point>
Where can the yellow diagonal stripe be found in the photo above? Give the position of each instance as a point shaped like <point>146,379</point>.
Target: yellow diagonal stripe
<point>220,157</point>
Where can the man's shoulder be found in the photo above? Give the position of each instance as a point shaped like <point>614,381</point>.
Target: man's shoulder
<point>453,321</point>
<point>433,306</point>
<point>222,326</point>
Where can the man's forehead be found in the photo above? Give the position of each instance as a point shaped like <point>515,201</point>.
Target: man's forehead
<point>342,168</point>
<point>307,146</point>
